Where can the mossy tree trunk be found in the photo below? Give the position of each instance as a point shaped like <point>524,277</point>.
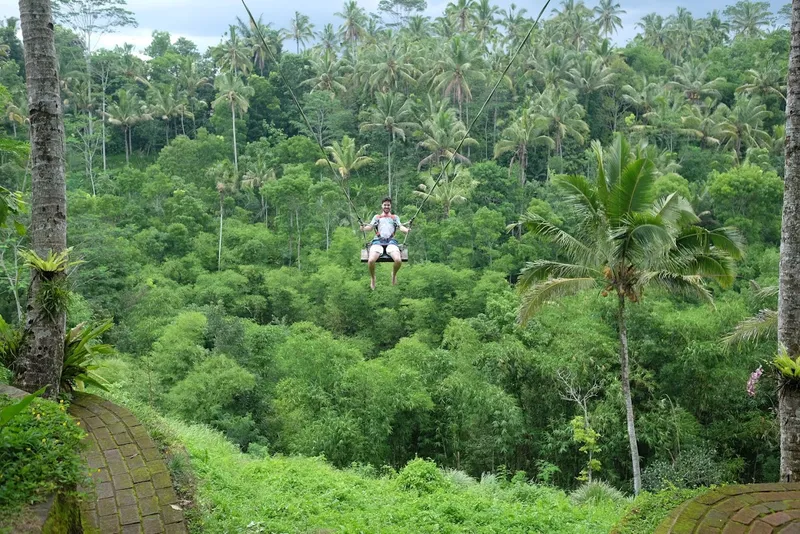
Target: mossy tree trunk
<point>43,349</point>
<point>789,299</point>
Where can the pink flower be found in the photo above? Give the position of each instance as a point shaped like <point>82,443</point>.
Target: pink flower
<point>751,383</point>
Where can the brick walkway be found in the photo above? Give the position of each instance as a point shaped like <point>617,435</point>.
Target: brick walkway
<point>133,491</point>
<point>741,509</point>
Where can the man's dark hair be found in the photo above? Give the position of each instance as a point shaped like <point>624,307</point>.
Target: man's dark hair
<point>387,199</point>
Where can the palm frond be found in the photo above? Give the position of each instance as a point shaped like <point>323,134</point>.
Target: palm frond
<point>754,329</point>
<point>675,210</point>
<point>534,298</point>
<point>580,193</point>
<point>678,284</point>
<point>634,191</point>
<point>728,240</point>
<point>715,266</point>
<point>538,270</point>
<point>537,224</point>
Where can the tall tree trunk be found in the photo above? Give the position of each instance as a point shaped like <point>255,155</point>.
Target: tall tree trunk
<point>42,354</point>
<point>789,295</point>
<point>235,155</point>
<point>219,249</point>
<point>626,393</point>
<point>127,147</point>
<point>389,160</point>
<point>104,125</point>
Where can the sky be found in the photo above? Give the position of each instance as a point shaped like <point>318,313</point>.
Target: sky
<point>204,21</point>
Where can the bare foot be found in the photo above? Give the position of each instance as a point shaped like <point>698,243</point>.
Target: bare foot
<point>372,283</point>
<point>394,280</point>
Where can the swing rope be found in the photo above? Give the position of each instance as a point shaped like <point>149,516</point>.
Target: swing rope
<point>475,119</point>
<point>303,114</point>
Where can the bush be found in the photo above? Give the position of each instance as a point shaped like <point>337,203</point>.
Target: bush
<point>421,476</point>
<point>648,510</point>
<point>691,469</point>
<point>596,492</point>
<point>39,454</point>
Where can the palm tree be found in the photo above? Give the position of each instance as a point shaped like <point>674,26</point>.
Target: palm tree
<point>301,29</point>
<point>226,178</point>
<point>233,92</point>
<point>392,68</point>
<point>328,40</point>
<point>191,81</point>
<point>702,121</point>
<point>257,176</point>
<point>763,325</point>
<point>346,158</point>
<point>460,13</point>
<point>514,22</point>
<point>644,97</point>
<point>749,19</point>
<point>453,188</point>
<point>443,131</point>
<point>460,64</point>
<point>625,240</point>
<point>16,115</point>
<point>525,130</point>
<point>162,104</point>
<point>716,29</point>
<point>690,77</point>
<point>327,71</point>
<point>418,27</point>
<point>484,20</point>
<point>789,283</point>
<point>562,116</point>
<point>233,56</point>
<point>589,75</point>
<point>391,114</point>
<point>608,16</point>
<point>353,26</point>
<point>127,112</point>
<point>740,128</point>
<point>768,80</point>
<point>655,33</point>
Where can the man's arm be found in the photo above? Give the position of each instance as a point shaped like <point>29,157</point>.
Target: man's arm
<point>404,229</point>
<point>369,227</point>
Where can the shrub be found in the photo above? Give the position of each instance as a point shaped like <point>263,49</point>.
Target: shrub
<point>39,453</point>
<point>459,478</point>
<point>691,469</point>
<point>421,476</point>
<point>650,509</point>
<point>596,492</point>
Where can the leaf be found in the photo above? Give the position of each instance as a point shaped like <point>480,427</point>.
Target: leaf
<point>9,412</point>
<point>20,228</point>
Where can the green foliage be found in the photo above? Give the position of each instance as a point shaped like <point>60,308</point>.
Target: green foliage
<point>596,492</point>
<point>39,453</point>
<point>81,346</point>
<point>10,343</point>
<point>586,437</point>
<point>648,510</point>
<point>691,469</point>
<point>421,476</point>
<point>788,368</point>
<point>14,409</point>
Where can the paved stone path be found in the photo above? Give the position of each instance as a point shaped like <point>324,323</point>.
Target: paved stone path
<point>133,491</point>
<point>740,509</point>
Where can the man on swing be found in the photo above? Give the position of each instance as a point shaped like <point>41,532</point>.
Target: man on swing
<point>385,225</point>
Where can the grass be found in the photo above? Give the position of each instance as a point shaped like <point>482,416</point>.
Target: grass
<point>237,492</point>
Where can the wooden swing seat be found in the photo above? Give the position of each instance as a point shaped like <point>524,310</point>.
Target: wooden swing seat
<point>384,258</point>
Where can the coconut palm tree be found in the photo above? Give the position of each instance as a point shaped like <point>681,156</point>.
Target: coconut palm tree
<point>749,19</point>
<point>327,73</point>
<point>459,65</point>
<point>234,93</point>
<point>226,180</point>
<point>392,113</point>
<point>625,240</point>
<point>460,13</point>
<point>191,81</point>
<point>418,27</point>
<point>346,158</point>
<point>259,174</point>
<point>442,132</point>
<point>526,130</point>
<point>769,79</point>
<point>162,104</point>
<point>789,283</point>
<point>127,112</point>
<point>741,128</point>
<point>590,75</point>
<point>690,77</point>
<point>233,55</point>
<point>300,29</point>
<point>393,67</point>
<point>16,115</point>
<point>515,22</point>
<point>454,187</point>
<point>354,18</point>
<point>608,16</point>
<point>654,30</point>
<point>642,98</point>
<point>562,117</point>
<point>328,40</point>
<point>484,20</point>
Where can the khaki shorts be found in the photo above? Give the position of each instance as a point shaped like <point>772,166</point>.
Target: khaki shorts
<point>379,249</point>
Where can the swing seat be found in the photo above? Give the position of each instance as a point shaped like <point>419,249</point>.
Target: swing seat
<point>384,258</point>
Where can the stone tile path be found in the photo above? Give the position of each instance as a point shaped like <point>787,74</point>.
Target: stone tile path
<point>740,509</point>
<point>133,491</point>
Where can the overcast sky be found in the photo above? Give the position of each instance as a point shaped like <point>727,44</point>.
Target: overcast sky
<point>204,21</point>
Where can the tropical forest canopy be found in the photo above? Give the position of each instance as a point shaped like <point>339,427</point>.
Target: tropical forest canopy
<point>221,244</point>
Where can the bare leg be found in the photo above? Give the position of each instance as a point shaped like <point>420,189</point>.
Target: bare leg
<point>398,262</point>
<point>373,257</point>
